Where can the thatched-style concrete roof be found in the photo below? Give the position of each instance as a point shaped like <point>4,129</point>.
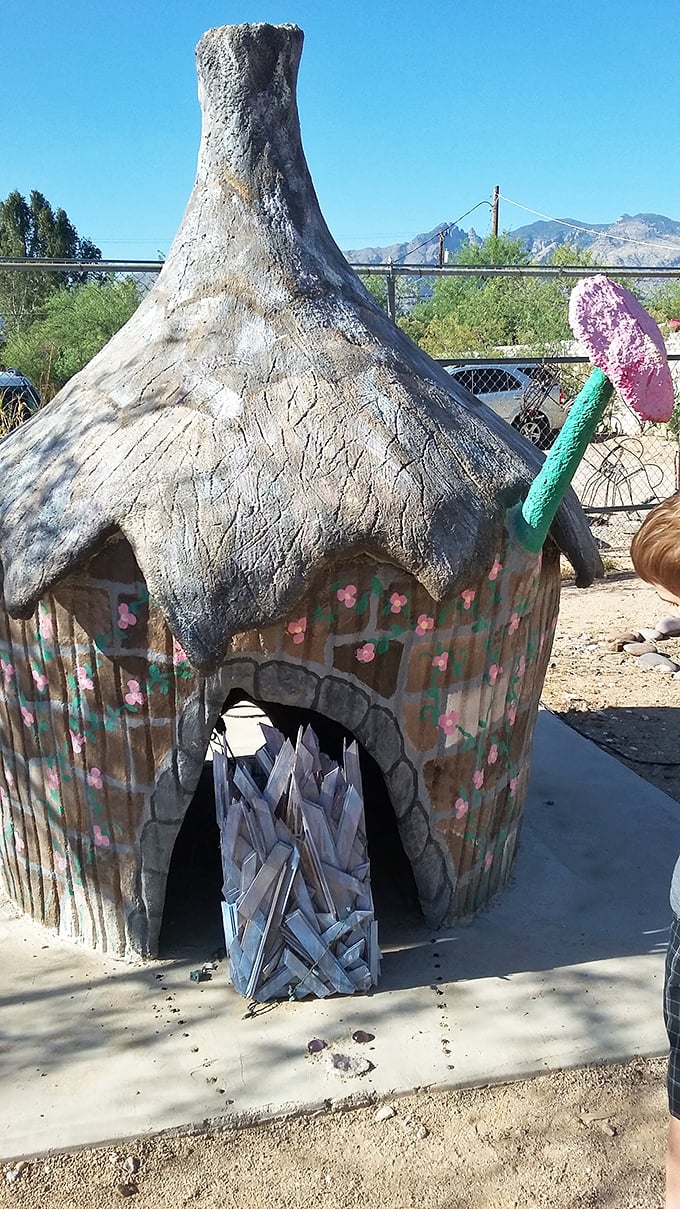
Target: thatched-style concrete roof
<point>259,415</point>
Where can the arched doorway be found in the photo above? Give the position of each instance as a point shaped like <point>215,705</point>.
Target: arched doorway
<point>192,919</point>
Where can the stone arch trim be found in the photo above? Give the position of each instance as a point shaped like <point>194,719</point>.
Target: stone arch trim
<point>285,683</point>
<point>379,733</point>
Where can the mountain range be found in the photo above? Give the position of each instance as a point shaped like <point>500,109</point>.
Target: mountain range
<point>642,240</point>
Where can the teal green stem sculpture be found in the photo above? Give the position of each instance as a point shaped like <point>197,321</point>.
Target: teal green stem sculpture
<point>530,521</point>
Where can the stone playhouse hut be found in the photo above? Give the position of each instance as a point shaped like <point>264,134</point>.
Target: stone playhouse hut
<point>261,484</point>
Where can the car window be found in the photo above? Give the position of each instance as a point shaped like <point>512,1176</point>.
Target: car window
<point>492,380</point>
<point>9,395</point>
<point>464,376</point>
<point>485,381</point>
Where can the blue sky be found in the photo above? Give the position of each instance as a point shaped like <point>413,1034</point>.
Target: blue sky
<point>411,110</point>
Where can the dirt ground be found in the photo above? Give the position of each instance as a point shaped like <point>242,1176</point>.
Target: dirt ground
<point>568,1140</point>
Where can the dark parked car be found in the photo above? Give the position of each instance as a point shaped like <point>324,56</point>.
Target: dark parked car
<point>18,399</point>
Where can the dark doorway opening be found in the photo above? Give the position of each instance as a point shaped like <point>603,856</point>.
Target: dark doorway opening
<point>192,917</point>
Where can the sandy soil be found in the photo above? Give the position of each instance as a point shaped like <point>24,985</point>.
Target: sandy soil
<point>606,695</point>
<point>590,1138</point>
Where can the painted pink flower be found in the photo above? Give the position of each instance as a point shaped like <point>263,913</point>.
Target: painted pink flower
<point>398,602</point>
<point>52,778</point>
<point>512,785</point>
<point>424,623</point>
<point>77,742</point>
<point>18,842</point>
<point>27,716</point>
<point>441,661</point>
<point>4,797</point>
<point>461,807</point>
<point>494,672</point>
<point>478,778</point>
<point>347,595</point>
<point>60,862</point>
<point>94,778</point>
<point>493,754</point>
<point>84,678</point>
<point>514,623</point>
<point>125,617</point>
<point>7,670</point>
<point>468,597</point>
<point>45,626</point>
<point>365,653</point>
<point>488,861</point>
<point>448,723</point>
<point>511,714</point>
<point>521,666</point>
<point>100,838</point>
<point>178,652</point>
<point>40,679</point>
<point>297,629</point>
<point>134,695</point>
<point>496,569</point>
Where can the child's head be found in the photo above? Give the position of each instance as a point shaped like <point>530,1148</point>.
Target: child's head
<point>655,549</point>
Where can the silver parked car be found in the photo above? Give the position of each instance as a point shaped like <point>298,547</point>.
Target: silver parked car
<point>523,394</point>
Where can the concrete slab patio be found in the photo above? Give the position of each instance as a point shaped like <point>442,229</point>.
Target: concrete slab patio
<point>564,969</point>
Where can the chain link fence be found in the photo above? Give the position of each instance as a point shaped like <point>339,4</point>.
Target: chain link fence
<point>629,466</point>
<point>56,314</point>
<point>532,381</point>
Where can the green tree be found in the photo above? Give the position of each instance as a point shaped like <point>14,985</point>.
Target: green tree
<point>481,314</point>
<point>33,229</point>
<point>75,322</point>
<point>377,288</point>
<point>664,302</point>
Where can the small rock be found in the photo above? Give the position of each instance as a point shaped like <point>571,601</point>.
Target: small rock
<point>362,1036</point>
<point>607,1129</point>
<point>131,1164</point>
<point>618,641</point>
<point>384,1113</point>
<point>316,1045</point>
<point>658,663</point>
<point>639,648</point>
<point>128,1189</point>
<point>423,1132</point>
<point>651,635</point>
<point>669,626</point>
<point>12,1175</point>
<point>348,1065</point>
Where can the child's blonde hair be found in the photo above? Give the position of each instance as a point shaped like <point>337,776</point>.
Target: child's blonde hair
<point>655,549</point>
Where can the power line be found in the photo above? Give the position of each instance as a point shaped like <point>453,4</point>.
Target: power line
<point>641,243</point>
<point>444,231</point>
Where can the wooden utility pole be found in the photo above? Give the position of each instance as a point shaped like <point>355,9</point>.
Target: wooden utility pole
<point>494,210</point>
<point>441,248</point>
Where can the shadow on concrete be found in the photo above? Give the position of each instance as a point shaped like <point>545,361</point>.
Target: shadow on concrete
<point>565,968</point>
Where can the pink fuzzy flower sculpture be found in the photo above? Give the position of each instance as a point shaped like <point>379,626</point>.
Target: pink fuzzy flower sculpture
<point>625,343</point>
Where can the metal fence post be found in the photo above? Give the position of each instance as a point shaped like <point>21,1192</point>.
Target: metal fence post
<point>391,293</point>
